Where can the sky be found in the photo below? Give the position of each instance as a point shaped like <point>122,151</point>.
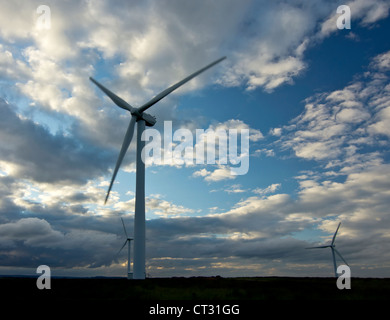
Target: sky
<point>314,98</point>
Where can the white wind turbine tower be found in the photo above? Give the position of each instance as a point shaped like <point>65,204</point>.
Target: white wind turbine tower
<point>332,246</point>
<point>138,115</point>
<point>128,242</point>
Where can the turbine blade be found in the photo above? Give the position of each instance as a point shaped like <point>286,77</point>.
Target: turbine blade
<point>175,86</point>
<point>320,247</point>
<point>122,247</point>
<point>125,145</point>
<point>334,236</point>
<point>124,228</point>
<point>340,256</point>
<point>117,100</point>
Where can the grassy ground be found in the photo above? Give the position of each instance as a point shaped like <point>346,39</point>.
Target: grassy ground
<point>197,288</point>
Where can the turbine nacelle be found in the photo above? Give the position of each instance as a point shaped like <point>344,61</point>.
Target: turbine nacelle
<point>150,120</point>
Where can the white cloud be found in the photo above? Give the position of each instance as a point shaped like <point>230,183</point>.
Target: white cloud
<point>219,174</point>
<point>270,189</point>
<point>154,55</point>
<point>236,124</point>
<point>165,208</point>
<point>382,62</point>
<point>381,126</point>
<point>10,67</point>
<point>352,115</point>
<point>235,188</point>
<point>17,19</point>
<point>155,206</point>
<point>276,131</point>
<point>364,12</point>
<point>335,126</point>
<point>147,57</point>
<point>267,152</point>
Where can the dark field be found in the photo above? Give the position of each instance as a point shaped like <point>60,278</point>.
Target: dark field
<point>197,288</point>
<point>197,298</point>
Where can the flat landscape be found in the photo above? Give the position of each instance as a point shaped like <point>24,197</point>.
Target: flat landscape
<point>195,288</point>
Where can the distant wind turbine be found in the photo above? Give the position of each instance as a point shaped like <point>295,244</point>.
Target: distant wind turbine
<point>138,115</point>
<point>128,242</point>
<point>332,246</point>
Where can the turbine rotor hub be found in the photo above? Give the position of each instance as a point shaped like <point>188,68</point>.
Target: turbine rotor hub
<point>136,113</point>
<point>150,120</point>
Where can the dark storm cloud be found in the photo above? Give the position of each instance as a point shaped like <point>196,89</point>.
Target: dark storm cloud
<point>34,153</point>
<point>28,242</point>
<point>49,230</point>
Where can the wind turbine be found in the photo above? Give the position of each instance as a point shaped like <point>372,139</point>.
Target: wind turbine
<point>138,115</point>
<point>128,242</point>
<point>332,246</point>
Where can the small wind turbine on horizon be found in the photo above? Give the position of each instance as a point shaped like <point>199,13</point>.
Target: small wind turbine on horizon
<point>138,115</point>
<point>128,242</point>
<point>332,246</point>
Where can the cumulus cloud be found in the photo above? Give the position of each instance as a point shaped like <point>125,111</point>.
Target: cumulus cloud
<point>10,67</point>
<point>155,207</point>
<point>335,126</point>
<point>362,12</point>
<point>270,189</point>
<point>163,207</point>
<point>221,173</point>
<point>235,188</point>
<point>143,58</point>
<point>150,56</point>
